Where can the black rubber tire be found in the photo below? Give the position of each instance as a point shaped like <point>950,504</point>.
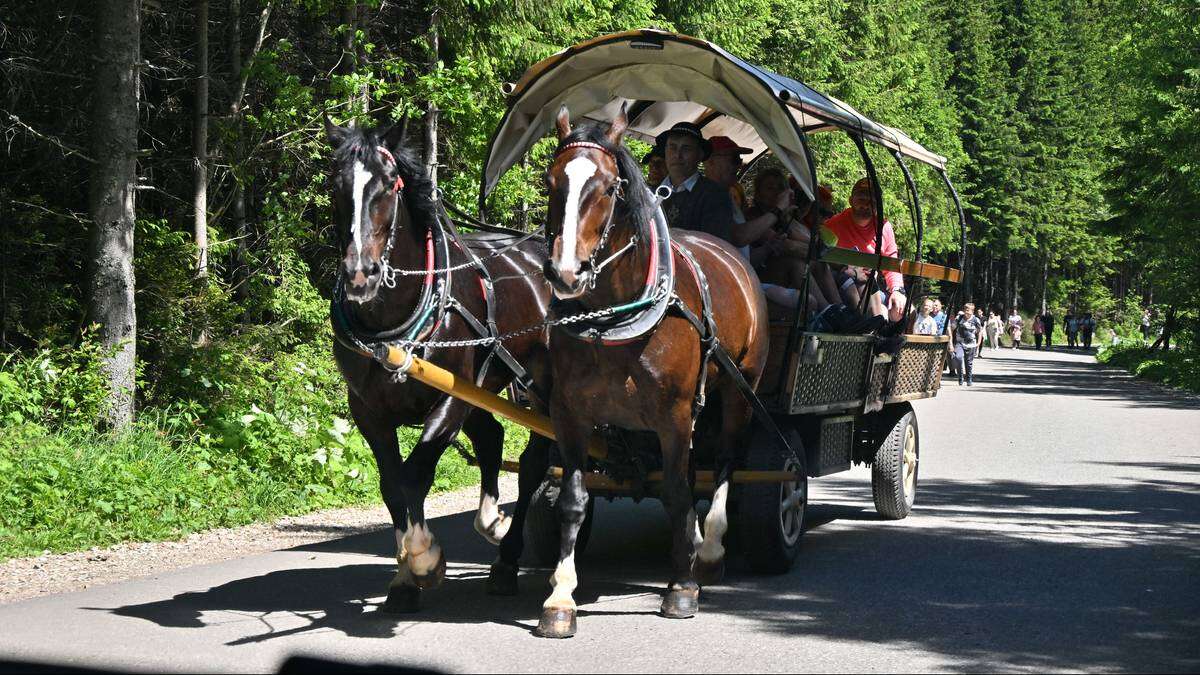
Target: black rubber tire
<point>543,529</point>
<point>893,500</point>
<point>769,538</point>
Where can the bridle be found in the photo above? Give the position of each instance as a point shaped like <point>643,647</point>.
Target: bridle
<point>385,267</point>
<point>617,192</point>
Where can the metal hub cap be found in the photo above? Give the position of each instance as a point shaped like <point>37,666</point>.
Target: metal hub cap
<point>792,496</point>
<point>910,462</point>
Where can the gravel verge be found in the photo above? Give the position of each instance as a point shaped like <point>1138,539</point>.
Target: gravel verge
<point>25,578</point>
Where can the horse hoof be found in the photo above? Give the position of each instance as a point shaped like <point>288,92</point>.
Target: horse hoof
<point>681,603</point>
<point>708,573</point>
<point>496,531</point>
<point>402,600</point>
<point>502,579</point>
<point>434,578</point>
<point>556,623</point>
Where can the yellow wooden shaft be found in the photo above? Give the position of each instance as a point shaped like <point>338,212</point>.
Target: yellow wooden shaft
<point>466,391</point>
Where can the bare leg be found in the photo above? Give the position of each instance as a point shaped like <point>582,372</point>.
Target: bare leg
<point>558,612</point>
<point>502,580</point>
<point>403,596</point>
<point>709,567</point>
<point>425,557</point>
<point>683,593</point>
<point>487,437</point>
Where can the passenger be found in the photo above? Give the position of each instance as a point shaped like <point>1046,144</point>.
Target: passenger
<point>722,168</point>
<point>939,316</point>
<point>696,203</point>
<point>787,251</point>
<point>855,229</point>
<point>656,166</point>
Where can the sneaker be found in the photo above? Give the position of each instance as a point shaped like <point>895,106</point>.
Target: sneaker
<point>970,382</point>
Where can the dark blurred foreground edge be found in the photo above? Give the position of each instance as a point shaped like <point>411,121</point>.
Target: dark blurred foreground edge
<point>296,665</point>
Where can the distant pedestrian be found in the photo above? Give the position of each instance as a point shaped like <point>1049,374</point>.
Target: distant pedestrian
<point>1048,326</point>
<point>982,322</point>
<point>993,327</point>
<point>968,333</point>
<point>1038,331</point>
<point>1146,324</point>
<point>1014,325</point>
<point>1072,325</point>
<point>1087,326</point>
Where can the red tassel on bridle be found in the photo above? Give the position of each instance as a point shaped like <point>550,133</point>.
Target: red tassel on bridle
<point>399,184</point>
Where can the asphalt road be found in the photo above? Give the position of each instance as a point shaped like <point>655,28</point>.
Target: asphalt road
<point>1057,528</point>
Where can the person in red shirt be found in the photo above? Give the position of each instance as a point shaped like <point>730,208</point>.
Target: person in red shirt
<point>854,229</point>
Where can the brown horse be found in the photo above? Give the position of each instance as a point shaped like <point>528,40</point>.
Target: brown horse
<point>599,203</point>
<point>387,223</point>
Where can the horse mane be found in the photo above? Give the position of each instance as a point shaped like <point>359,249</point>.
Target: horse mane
<point>637,202</point>
<point>363,145</point>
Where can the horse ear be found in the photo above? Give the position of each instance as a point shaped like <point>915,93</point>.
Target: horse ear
<point>620,123</point>
<point>563,122</point>
<point>393,138</point>
<point>336,135</point>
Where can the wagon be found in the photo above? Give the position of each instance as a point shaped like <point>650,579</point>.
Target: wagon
<point>838,399</point>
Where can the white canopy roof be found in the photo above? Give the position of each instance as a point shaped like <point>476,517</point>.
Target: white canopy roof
<point>667,78</point>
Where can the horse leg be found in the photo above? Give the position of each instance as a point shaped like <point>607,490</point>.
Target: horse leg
<point>683,594</point>
<point>709,567</point>
<point>487,437</point>
<point>558,612</point>
<point>535,459</point>
<point>425,558</point>
<point>403,596</point>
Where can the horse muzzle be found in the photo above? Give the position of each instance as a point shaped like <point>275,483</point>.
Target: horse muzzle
<point>566,285</point>
<point>362,283</point>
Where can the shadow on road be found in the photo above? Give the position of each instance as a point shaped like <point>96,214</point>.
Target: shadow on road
<point>993,574</point>
<point>1074,378</point>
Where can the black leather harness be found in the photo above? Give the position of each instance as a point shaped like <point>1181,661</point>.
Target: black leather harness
<point>436,300</point>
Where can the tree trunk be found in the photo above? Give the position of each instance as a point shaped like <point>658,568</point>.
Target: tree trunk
<point>241,270</point>
<point>238,207</point>
<point>1008,282</point>
<point>111,198</point>
<point>431,113</point>
<point>1045,280</point>
<point>360,56</point>
<point>1168,328</point>
<point>200,146</point>
<point>350,21</point>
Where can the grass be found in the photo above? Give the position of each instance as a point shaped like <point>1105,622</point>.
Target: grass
<point>1177,367</point>
<point>72,489</point>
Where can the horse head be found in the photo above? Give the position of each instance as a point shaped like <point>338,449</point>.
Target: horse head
<point>593,183</point>
<point>370,171</point>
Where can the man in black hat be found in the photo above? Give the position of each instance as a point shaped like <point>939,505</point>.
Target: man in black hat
<point>696,203</point>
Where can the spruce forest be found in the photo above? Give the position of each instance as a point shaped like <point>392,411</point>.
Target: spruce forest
<point>166,254</point>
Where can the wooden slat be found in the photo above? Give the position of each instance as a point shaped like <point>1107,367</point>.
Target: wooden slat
<point>844,256</point>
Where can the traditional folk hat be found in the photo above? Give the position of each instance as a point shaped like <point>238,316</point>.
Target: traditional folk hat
<point>686,129</point>
<point>724,145</point>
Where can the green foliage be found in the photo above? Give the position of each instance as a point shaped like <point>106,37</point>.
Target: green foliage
<point>58,387</point>
<point>1176,367</point>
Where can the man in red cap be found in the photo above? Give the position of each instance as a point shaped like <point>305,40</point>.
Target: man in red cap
<point>696,203</point>
<point>855,229</point>
<point>722,168</point>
